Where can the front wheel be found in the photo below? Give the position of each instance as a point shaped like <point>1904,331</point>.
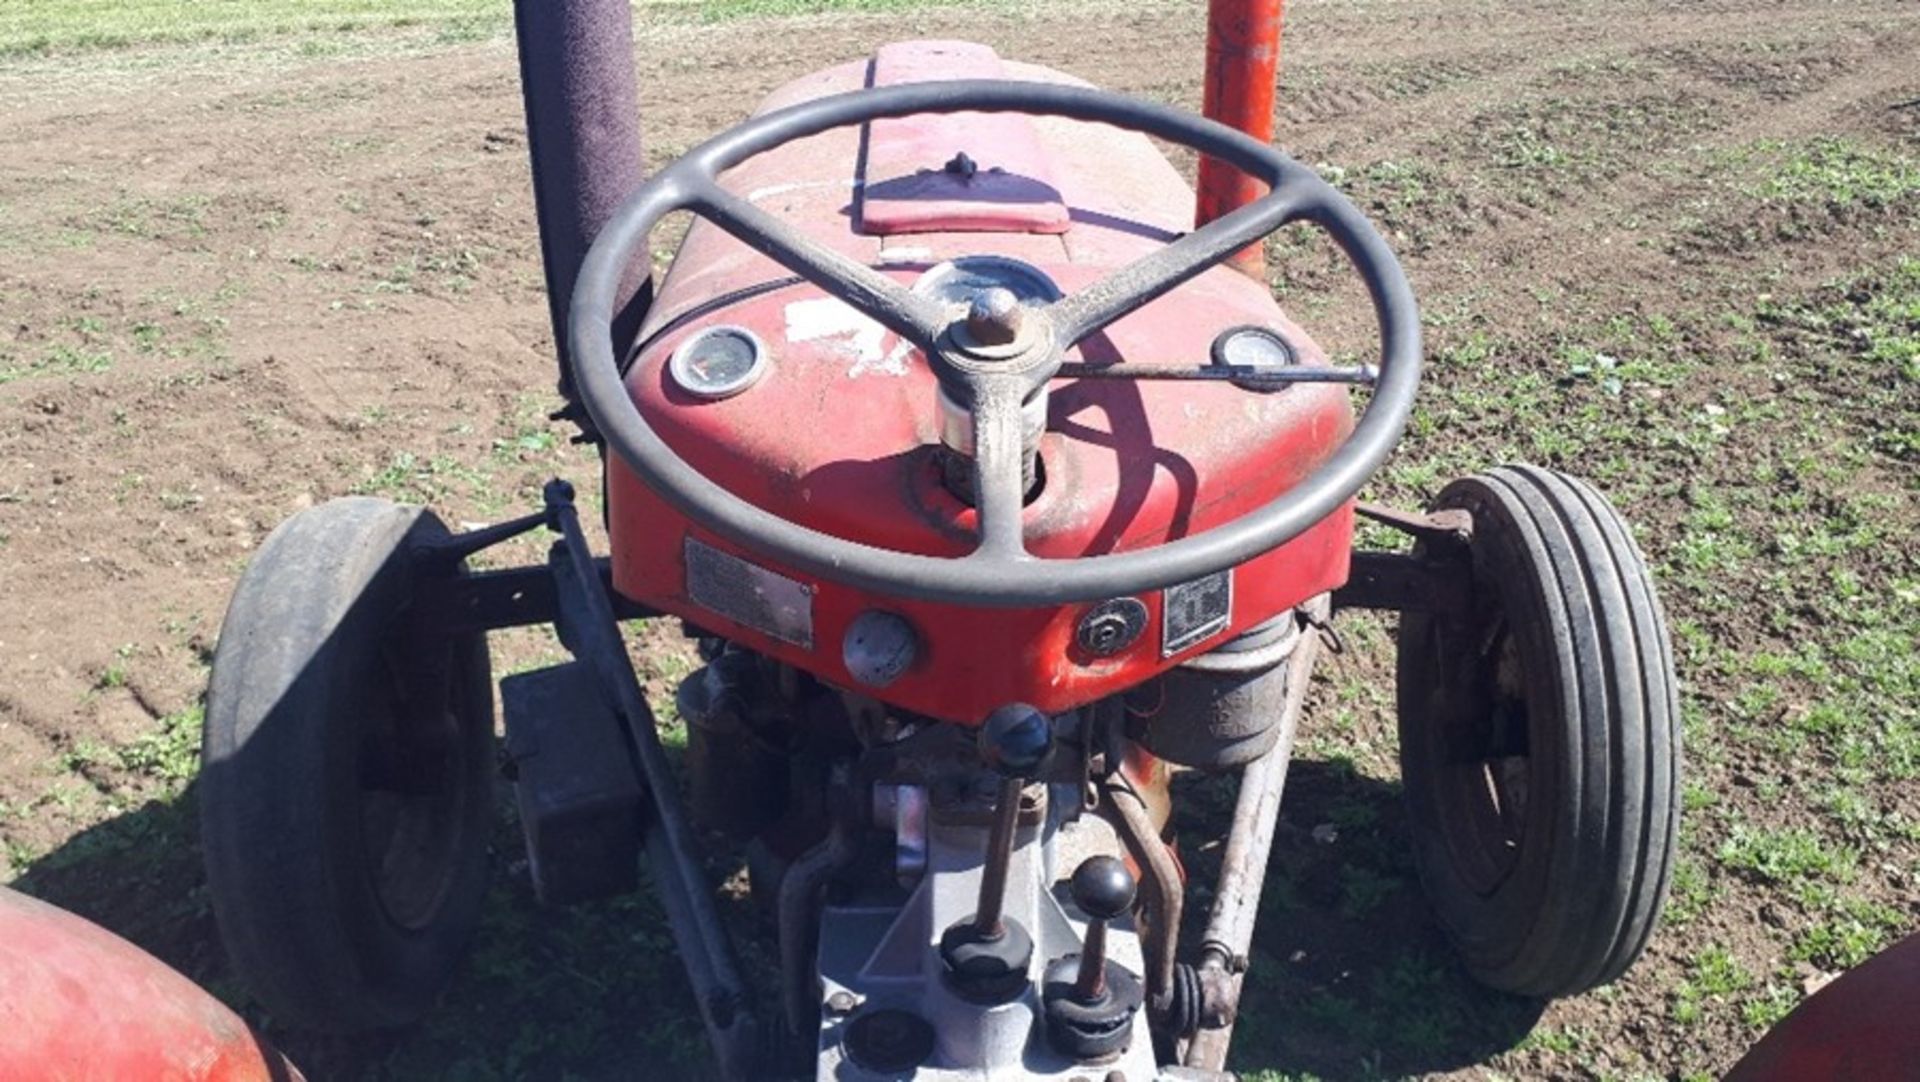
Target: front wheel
<point>345,797</point>
<point>1540,740</point>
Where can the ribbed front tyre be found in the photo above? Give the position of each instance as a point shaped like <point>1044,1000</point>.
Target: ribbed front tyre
<point>1540,740</point>
<point>345,797</point>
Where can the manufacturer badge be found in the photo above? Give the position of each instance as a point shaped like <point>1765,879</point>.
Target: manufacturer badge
<point>1193,612</point>
<point>750,595</point>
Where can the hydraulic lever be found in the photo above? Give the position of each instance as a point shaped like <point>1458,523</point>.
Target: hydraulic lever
<point>988,955</point>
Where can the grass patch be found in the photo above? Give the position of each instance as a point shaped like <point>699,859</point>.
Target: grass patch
<point>170,754</point>
<point>1837,172</point>
<point>1875,318</point>
<point>408,478</point>
<point>180,218</point>
<point>1851,933</point>
<point>1544,148</point>
<point>1690,894</point>
<point>57,360</point>
<point>1786,856</point>
<point>717,10</point>
<point>1715,977</point>
<point>1770,1006</point>
<point>38,27</point>
<point>31,28</point>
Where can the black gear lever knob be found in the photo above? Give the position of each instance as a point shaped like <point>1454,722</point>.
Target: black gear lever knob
<point>1016,740</point>
<point>1090,1002</point>
<point>1102,888</point>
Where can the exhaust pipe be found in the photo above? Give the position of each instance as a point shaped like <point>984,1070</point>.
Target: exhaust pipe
<point>583,136</point>
<point>1243,63</point>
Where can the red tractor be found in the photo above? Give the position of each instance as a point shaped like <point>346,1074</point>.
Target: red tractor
<point>994,492</point>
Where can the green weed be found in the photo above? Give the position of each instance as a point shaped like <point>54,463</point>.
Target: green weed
<point>170,754</point>
<point>1773,1003</point>
<point>1853,931</point>
<point>57,360</point>
<point>1840,172</point>
<point>1786,856</point>
<point>1716,976</point>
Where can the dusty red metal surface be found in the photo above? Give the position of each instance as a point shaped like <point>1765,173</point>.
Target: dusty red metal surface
<point>77,1001</point>
<point>1860,1028</point>
<point>840,434</point>
<point>1243,65</point>
<point>964,171</point>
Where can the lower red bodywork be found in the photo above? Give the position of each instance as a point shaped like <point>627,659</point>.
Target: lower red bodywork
<point>841,436</point>
<point>78,1002</point>
<point>1860,1028</point>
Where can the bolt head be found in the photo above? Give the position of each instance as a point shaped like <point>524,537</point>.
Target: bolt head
<point>841,1003</point>
<point>1102,887</point>
<point>994,316</point>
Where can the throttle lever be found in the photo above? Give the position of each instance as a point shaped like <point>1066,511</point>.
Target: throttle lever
<point>988,954</point>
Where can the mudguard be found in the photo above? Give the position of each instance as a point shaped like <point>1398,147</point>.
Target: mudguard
<point>81,1003</point>
<point>1859,1028</point>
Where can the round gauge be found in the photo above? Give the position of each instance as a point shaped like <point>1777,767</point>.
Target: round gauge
<point>718,362</point>
<point>1256,348</point>
<point>956,281</point>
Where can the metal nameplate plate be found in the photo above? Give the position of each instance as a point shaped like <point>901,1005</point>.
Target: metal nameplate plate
<point>1192,612</point>
<point>750,595</point>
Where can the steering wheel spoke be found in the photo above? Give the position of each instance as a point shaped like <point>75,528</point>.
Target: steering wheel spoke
<point>1248,375</point>
<point>908,314</point>
<point>1077,316</point>
<point>999,468</point>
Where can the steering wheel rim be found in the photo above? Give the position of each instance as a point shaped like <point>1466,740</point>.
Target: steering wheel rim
<point>996,574</point>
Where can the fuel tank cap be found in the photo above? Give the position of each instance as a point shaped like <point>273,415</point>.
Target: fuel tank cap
<point>718,362</point>
<point>957,281</point>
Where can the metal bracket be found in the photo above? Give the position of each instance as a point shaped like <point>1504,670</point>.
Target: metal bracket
<point>444,553</point>
<point>455,603</point>
<point>1437,577</point>
<point>1448,525</point>
<point>673,863</point>
<point>1407,583</point>
<point>574,592</point>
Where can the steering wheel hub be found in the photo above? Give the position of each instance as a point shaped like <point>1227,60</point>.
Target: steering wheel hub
<point>993,318</point>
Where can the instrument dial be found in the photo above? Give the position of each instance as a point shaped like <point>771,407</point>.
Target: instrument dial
<point>718,362</point>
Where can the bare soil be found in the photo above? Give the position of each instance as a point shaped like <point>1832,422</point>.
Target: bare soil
<point>237,282</point>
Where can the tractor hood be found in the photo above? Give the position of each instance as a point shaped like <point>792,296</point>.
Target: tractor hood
<point>840,431</point>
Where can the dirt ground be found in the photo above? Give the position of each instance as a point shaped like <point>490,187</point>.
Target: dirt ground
<point>1669,246</point>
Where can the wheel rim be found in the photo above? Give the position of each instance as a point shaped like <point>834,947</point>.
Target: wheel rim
<point>1486,768</point>
<point>413,796</point>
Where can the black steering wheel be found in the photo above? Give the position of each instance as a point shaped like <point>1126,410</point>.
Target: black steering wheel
<point>993,360</point>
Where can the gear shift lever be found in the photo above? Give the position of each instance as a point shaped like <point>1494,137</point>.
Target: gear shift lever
<point>987,955</point>
<point>1015,741</point>
<point>1103,890</point>
<point>1090,1002</point>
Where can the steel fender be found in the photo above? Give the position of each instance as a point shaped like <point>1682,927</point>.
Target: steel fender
<point>1857,1029</point>
<point>81,1003</point>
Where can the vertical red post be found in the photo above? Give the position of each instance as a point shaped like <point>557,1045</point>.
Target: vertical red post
<point>1243,63</point>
